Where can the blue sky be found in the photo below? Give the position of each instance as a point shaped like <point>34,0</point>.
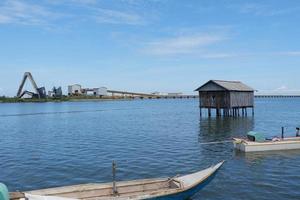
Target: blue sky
<point>150,45</point>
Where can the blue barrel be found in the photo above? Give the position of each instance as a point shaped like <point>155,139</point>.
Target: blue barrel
<point>3,192</point>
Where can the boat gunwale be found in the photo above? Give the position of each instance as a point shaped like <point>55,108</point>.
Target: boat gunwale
<point>85,187</point>
<point>196,183</point>
<point>251,143</point>
<point>148,194</point>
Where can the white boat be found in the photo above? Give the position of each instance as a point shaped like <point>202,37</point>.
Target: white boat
<point>256,142</point>
<point>181,187</point>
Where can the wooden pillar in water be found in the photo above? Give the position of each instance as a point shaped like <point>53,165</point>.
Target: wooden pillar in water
<point>200,106</point>
<point>209,112</point>
<point>217,112</point>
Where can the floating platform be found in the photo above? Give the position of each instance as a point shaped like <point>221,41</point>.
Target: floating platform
<point>245,145</point>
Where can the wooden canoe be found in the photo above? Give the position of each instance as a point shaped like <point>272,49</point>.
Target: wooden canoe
<point>181,187</point>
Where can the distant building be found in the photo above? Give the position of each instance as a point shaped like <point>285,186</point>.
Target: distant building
<point>101,91</point>
<point>160,93</point>
<point>50,94</point>
<point>226,96</point>
<point>174,93</point>
<point>74,89</point>
<point>55,92</point>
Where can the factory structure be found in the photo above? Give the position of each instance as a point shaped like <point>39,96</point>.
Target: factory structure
<point>39,92</point>
<point>78,90</point>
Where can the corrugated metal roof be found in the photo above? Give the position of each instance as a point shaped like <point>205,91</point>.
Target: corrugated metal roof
<point>230,85</point>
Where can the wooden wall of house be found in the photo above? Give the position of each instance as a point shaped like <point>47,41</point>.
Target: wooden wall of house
<point>214,99</point>
<point>224,99</point>
<point>241,99</point>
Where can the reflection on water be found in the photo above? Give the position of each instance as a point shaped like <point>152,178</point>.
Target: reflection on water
<point>254,157</point>
<point>211,129</point>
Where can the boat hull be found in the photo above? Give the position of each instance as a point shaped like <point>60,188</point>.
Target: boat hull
<point>188,193</point>
<point>178,188</point>
<point>246,146</point>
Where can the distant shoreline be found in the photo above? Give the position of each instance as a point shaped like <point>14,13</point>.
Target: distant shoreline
<point>63,99</point>
<point>110,98</point>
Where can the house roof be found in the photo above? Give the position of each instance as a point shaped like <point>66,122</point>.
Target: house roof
<point>228,85</point>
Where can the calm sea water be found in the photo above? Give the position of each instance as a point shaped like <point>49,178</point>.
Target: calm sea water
<point>55,144</point>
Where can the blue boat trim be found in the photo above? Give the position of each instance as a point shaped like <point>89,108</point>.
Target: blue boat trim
<point>186,194</point>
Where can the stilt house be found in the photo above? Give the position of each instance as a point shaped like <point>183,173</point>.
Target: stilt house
<point>226,97</point>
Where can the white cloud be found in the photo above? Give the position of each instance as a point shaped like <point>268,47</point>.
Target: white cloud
<point>117,17</point>
<point>289,53</point>
<point>219,55</point>
<point>182,44</point>
<point>20,12</point>
<point>26,13</point>
<point>262,9</point>
<point>281,88</point>
<point>89,2</point>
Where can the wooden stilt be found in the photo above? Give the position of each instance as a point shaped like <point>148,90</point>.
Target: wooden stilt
<point>218,112</point>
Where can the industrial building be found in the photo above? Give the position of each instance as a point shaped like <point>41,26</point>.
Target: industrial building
<point>74,90</point>
<point>174,94</point>
<point>227,96</point>
<point>39,92</point>
<point>55,92</point>
<point>99,92</point>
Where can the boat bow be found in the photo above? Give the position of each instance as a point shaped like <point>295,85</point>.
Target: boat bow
<point>191,180</point>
